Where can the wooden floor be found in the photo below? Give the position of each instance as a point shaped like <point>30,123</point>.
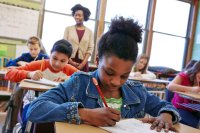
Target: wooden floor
<point>2,119</point>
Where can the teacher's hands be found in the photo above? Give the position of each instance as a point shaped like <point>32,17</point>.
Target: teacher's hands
<point>162,121</point>
<point>99,116</point>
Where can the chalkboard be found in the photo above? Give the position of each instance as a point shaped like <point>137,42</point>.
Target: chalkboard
<point>17,22</point>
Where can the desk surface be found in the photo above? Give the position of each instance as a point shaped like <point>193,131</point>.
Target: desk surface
<point>149,80</point>
<point>33,86</point>
<point>3,71</point>
<point>62,127</point>
<point>192,96</point>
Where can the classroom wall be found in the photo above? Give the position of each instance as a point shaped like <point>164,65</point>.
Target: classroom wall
<point>196,46</point>
<point>14,47</point>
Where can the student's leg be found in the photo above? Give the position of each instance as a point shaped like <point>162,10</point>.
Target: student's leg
<point>24,119</point>
<point>189,118</point>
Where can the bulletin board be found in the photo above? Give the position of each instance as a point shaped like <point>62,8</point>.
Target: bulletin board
<point>17,22</point>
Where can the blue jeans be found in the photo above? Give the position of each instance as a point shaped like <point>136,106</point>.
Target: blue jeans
<point>24,119</point>
<point>189,118</point>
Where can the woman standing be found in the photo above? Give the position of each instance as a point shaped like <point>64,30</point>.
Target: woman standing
<point>80,37</point>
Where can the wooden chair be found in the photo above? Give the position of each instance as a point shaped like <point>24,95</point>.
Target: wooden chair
<point>160,94</point>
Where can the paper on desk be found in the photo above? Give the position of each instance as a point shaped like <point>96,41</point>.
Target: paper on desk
<point>130,126</point>
<point>43,81</point>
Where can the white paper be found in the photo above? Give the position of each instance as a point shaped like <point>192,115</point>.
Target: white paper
<point>131,126</point>
<point>43,81</point>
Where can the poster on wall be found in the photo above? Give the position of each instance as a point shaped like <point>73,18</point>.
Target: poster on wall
<point>17,22</point>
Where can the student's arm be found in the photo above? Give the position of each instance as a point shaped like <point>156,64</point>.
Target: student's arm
<point>154,106</point>
<point>14,62</point>
<point>175,85</point>
<point>20,73</point>
<point>149,75</point>
<point>55,105</point>
<point>63,104</point>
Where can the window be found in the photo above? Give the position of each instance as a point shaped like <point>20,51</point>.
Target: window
<point>167,51</point>
<point>171,25</point>
<point>127,8</point>
<point>64,6</point>
<point>133,8</point>
<point>169,36</point>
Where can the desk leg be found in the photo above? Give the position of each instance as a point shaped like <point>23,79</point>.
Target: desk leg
<point>18,97</point>
<point>13,109</point>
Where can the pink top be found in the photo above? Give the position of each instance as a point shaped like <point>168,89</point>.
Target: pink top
<point>177,99</point>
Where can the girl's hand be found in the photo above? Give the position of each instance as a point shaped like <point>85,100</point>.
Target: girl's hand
<point>99,116</point>
<point>162,121</point>
<point>35,75</point>
<point>22,63</point>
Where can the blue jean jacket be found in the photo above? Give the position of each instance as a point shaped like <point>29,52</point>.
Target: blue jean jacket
<point>62,103</point>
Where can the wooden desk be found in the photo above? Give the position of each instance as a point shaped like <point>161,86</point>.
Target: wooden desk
<point>151,83</point>
<point>191,96</point>
<point>92,67</point>
<point>33,86</point>
<point>62,127</point>
<point>149,80</point>
<point>3,71</point>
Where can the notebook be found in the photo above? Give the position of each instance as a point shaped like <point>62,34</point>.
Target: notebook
<point>43,81</point>
<point>131,126</point>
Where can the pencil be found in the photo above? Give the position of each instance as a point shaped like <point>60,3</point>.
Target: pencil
<point>99,91</point>
<point>35,58</point>
<point>42,64</point>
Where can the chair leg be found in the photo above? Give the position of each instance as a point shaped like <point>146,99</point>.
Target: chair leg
<point>7,124</point>
<point>13,109</point>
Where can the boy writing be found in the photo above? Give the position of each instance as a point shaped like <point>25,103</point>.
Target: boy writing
<point>34,45</point>
<point>56,69</point>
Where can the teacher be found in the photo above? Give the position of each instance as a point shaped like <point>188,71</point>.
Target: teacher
<point>80,37</point>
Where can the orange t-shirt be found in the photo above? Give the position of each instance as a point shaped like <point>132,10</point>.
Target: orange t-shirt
<point>20,73</point>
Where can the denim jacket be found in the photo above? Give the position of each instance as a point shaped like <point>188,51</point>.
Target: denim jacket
<point>62,103</point>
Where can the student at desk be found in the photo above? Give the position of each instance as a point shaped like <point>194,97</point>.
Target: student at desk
<point>77,99</point>
<point>188,81</point>
<point>56,69</point>
<point>34,45</point>
<point>140,69</point>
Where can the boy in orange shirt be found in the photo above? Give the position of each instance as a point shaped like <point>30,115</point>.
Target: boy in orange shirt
<point>56,69</point>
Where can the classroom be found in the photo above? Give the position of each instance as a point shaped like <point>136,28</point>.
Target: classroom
<point>131,59</point>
